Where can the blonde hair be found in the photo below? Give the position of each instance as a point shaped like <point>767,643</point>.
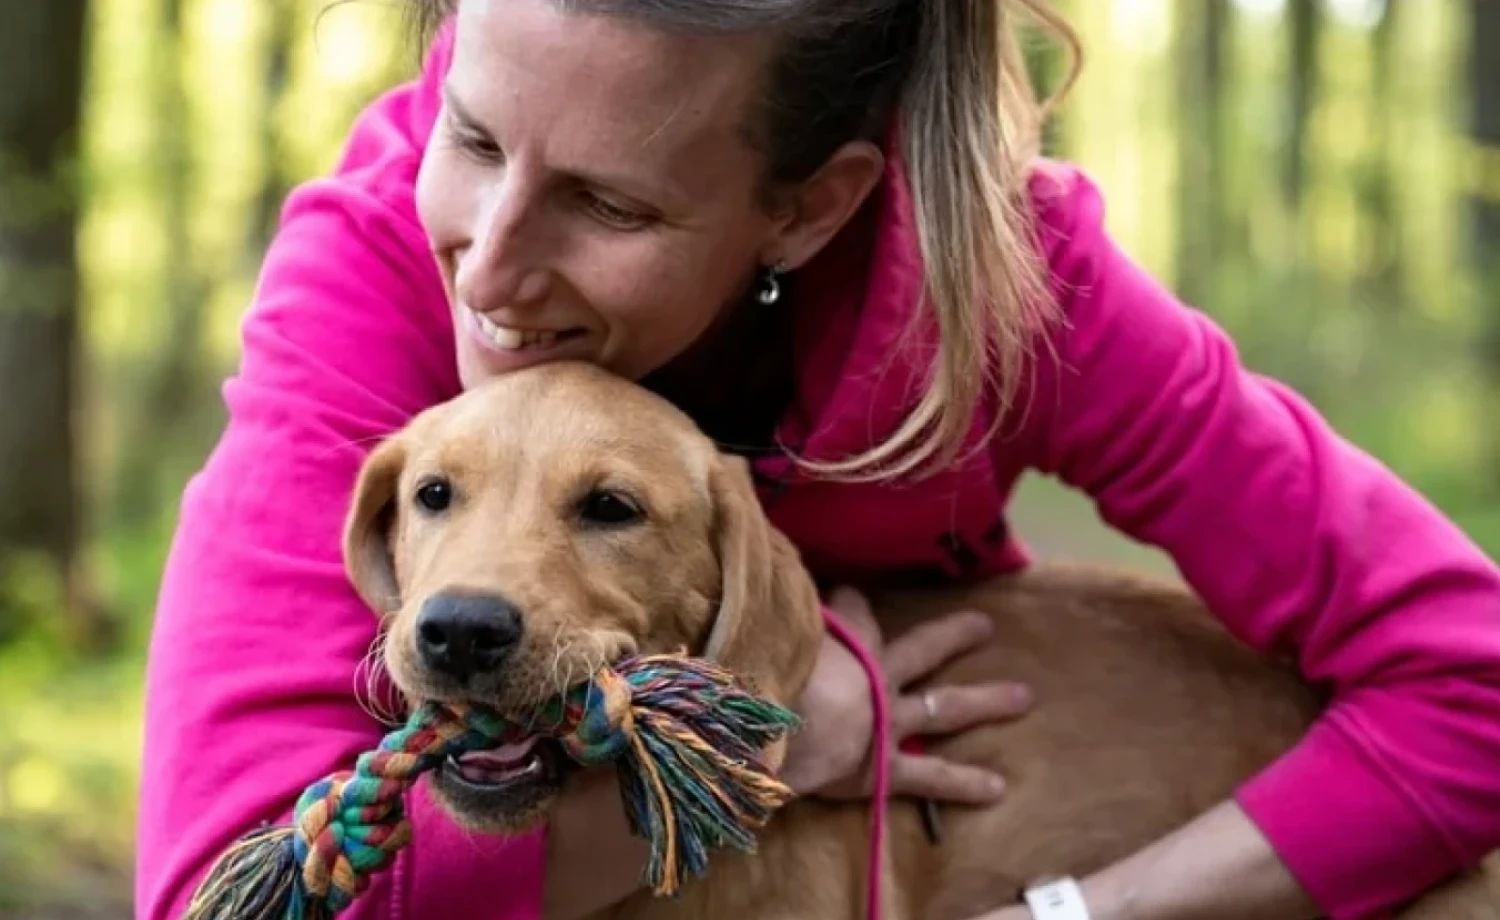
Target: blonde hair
<point>971,125</point>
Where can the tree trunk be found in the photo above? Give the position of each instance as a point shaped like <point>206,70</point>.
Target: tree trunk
<point>1203,32</point>
<point>1484,101</point>
<point>1378,179</point>
<point>1306,22</point>
<point>1484,202</point>
<point>275,184</point>
<point>166,399</point>
<point>42,58</point>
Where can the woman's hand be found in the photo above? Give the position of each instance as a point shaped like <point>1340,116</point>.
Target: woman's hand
<point>831,755</point>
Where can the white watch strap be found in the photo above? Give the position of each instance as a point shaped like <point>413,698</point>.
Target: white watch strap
<point>1057,899</point>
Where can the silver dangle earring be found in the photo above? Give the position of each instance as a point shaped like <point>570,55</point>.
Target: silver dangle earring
<point>768,290</point>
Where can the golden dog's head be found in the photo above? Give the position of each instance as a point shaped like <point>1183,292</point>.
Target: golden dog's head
<point>549,522</point>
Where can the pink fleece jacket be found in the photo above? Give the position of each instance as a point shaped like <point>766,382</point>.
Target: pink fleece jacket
<point>1302,543</point>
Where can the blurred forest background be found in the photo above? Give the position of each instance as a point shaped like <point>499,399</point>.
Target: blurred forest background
<point>1323,176</point>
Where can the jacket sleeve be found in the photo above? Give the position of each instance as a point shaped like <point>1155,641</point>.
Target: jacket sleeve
<point>1305,546</point>
<point>254,667</point>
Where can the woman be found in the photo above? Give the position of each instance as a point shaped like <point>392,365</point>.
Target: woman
<point>743,206</point>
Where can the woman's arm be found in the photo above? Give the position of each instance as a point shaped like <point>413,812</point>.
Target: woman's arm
<point>1304,546</point>
<point>1219,866</point>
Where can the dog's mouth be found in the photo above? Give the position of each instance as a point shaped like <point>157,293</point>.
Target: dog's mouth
<point>507,786</point>
<point>504,767</point>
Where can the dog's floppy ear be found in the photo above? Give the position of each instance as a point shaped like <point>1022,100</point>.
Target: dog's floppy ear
<point>367,528</point>
<point>769,625</point>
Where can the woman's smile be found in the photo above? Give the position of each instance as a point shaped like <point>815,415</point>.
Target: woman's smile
<point>503,348</point>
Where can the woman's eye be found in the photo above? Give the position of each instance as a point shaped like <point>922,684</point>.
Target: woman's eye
<point>474,143</point>
<point>607,508</point>
<point>613,215</point>
<point>435,495</point>
<point>482,148</point>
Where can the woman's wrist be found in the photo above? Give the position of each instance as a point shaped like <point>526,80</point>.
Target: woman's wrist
<point>1101,898</point>
<point>1063,899</point>
<point>1109,896</point>
<point>1217,867</point>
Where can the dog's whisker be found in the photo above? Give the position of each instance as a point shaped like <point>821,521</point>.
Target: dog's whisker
<point>594,658</point>
<point>396,702</point>
<point>558,649</point>
<point>574,655</point>
<point>564,663</point>
<point>392,700</point>
<point>347,443</point>
<point>561,679</point>
<point>372,686</point>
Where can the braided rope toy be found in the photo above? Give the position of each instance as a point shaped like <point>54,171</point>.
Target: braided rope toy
<point>685,738</point>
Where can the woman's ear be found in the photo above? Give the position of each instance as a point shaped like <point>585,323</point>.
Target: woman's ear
<point>819,208</point>
<point>369,527</point>
<point>769,624</point>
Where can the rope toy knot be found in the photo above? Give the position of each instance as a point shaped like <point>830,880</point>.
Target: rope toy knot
<point>349,826</point>
<point>604,724</point>
<point>347,829</point>
<point>685,738</point>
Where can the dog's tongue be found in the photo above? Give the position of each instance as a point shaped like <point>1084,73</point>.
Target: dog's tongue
<point>498,763</point>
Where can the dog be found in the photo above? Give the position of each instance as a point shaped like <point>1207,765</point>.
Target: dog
<point>555,519</point>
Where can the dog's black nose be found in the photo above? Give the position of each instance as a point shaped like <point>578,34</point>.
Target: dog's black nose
<point>463,635</point>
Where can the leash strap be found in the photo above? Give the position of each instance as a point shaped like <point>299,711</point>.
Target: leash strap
<point>1057,899</point>
<point>881,706</point>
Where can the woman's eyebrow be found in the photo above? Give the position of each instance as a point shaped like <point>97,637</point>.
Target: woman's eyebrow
<point>649,191</point>
<point>460,111</point>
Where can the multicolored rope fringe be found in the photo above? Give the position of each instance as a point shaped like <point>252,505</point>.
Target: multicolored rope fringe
<point>685,738</point>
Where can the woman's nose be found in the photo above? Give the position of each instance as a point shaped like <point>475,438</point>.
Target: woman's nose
<point>507,264</point>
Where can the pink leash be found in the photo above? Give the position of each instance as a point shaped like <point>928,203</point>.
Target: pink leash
<point>881,709</point>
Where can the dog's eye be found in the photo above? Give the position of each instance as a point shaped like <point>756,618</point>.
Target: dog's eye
<point>435,494</point>
<point>610,509</point>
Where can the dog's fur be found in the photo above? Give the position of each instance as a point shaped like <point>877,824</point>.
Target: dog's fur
<point>1147,712</point>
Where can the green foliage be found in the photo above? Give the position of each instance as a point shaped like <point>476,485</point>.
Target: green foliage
<point>31,588</point>
<point>68,751</point>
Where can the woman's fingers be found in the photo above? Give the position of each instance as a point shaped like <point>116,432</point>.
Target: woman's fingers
<point>926,647</point>
<point>942,710</point>
<point>944,781</point>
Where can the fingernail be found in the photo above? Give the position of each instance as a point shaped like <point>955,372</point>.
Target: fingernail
<point>995,785</point>
<point>1020,695</point>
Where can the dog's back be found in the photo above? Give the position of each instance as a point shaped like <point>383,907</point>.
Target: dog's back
<point>1147,714</point>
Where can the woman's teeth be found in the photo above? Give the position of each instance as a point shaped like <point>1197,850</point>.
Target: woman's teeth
<point>514,339</point>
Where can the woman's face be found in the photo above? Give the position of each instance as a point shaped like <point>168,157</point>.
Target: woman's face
<point>589,191</point>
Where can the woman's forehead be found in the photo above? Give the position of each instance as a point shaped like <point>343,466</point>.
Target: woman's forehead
<point>601,92</point>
